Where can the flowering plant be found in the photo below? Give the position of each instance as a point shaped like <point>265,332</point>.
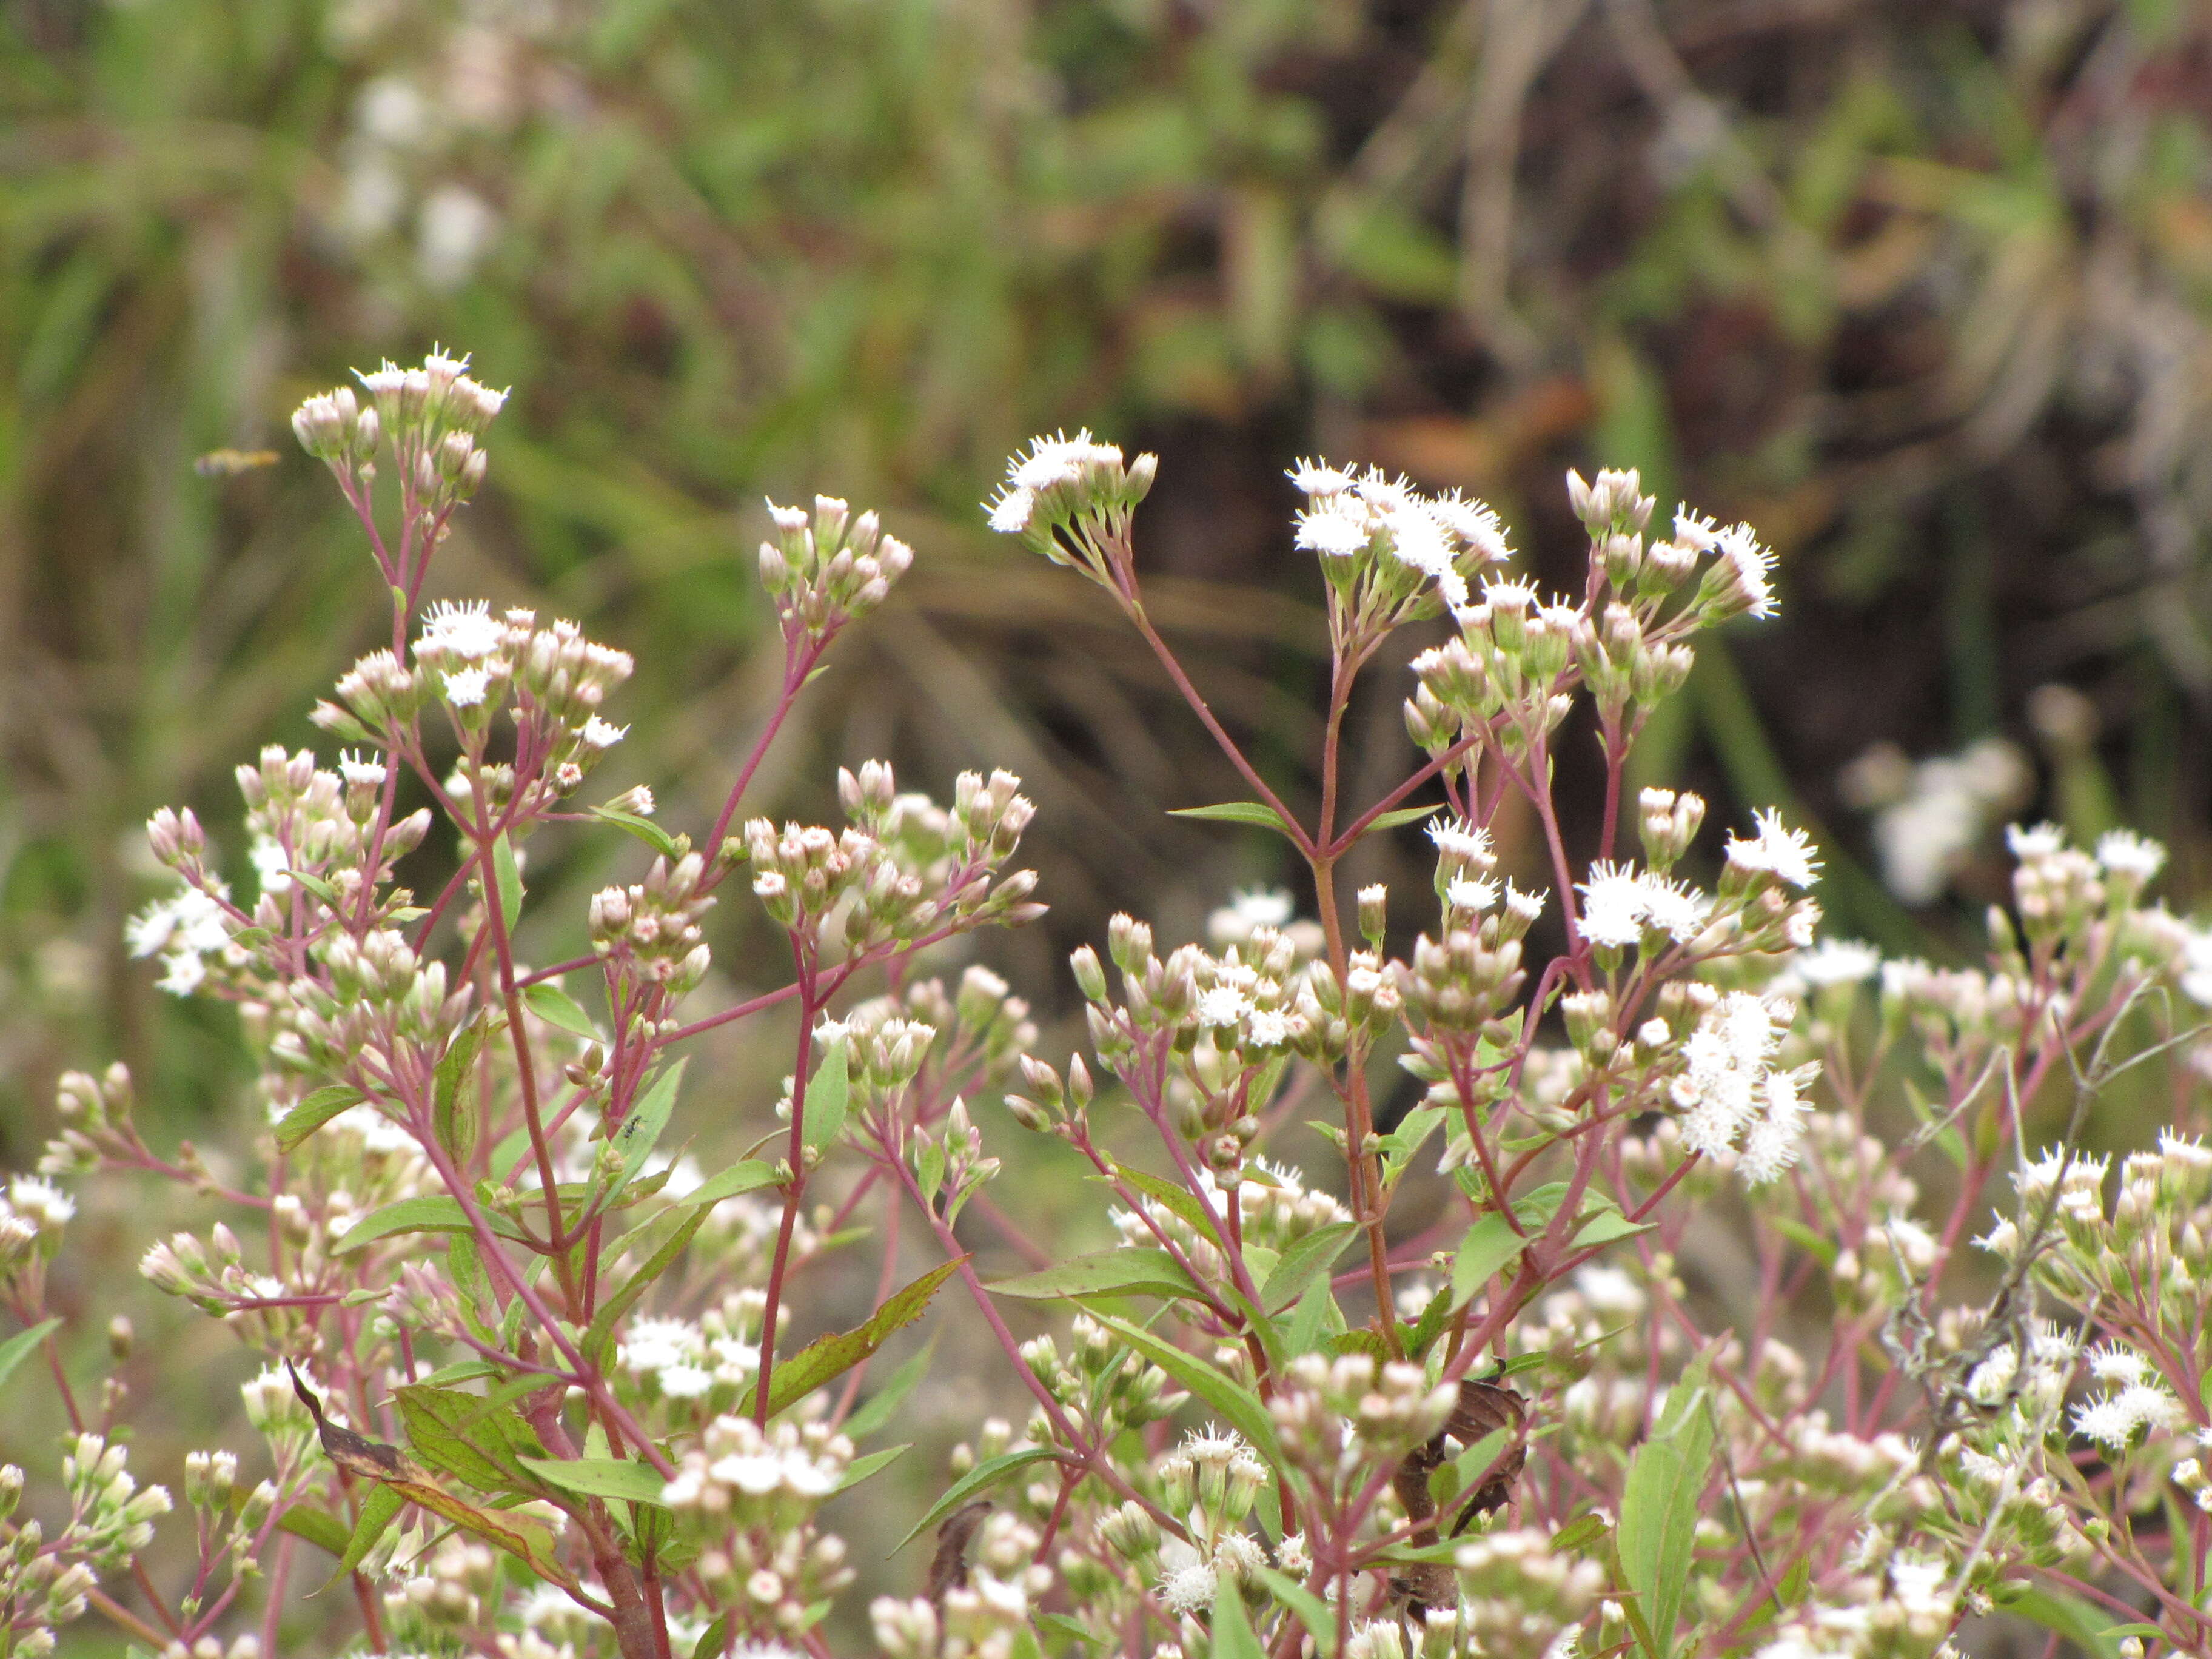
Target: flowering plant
<point>1486,1383</point>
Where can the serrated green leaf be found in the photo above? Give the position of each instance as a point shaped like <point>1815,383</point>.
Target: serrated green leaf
<point>508,873</point>
<point>1491,1244</point>
<point>557,1007</point>
<point>832,1356</point>
<point>1307,1259</point>
<point>600,1477</point>
<point>1237,1405</point>
<point>1237,811</point>
<point>478,1438</point>
<point>828,1097</point>
<point>1117,1272</point>
<point>17,1348</point>
<point>985,1475</point>
<point>311,1113</point>
<point>1578,1534</point>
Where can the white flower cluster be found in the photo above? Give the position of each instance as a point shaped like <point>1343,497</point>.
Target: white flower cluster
<point>2137,1401</point>
<point>1056,465</point>
<point>1278,1210</point>
<point>685,1362</point>
<point>777,1478</point>
<point>1930,814</point>
<point>1443,537</point>
<point>184,930</point>
<point>1727,1088</point>
<point>1621,904</point>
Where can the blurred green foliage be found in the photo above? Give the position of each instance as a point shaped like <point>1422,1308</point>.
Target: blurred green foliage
<point>1919,287</point>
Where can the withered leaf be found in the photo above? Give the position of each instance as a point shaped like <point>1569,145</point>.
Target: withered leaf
<point>948,1567</point>
<point>1483,1408</point>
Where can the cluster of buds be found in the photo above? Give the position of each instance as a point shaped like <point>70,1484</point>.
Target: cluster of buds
<point>304,819</point>
<point>433,415</point>
<point>1338,1418</point>
<point>380,1011</point>
<point>1519,1593</point>
<point>748,1496</point>
<point>988,1029</point>
<point>827,568</point>
<point>1467,983</point>
<point>927,865</point>
<point>42,1587</point>
<point>33,1216</point>
<point>1102,1378</point>
<point>443,1591</point>
<point>1503,670</point>
<point>333,427</point>
<point>649,931</point>
<point>1275,1210</point>
<point>1072,499</point>
<point>110,1517</point>
<point>949,1162</point>
<point>378,698</point>
<point>1391,554</point>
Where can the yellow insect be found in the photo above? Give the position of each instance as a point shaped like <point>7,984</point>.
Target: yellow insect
<point>229,463</point>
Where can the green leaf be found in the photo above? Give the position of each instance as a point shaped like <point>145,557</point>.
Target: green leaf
<point>557,1007</point>
<point>875,1410</point>
<point>1578,1534</point>
<point>316,1109</point>
<point>598,1339</point>
<point>1239,1405</point>
<point>1821,1249</point>
<point>716,1638</point>
<point>508,873</point>
<point>1177,1200</point>
<point>1068,1628</point>
<point>457,1112</point>
<point>471,1437</point>
<point>438,1212</point>
<point>1117,1272</point>
<point>745,1177</point>
<point>600,1477</point>
<point>1233,1637</point>
<point>1304,1261</point>
<point>828,1097</point>
<point>2089,1628</point>
<point>1606,1226</point>
<point>1397,815</point>
<point>1313,1613</point>
<point>324,1530</point>
<point>861,1467</point>
<point>1659,1509</point>
<point>986,1474</point>
<point>17,1348</point>
<point>378,1507</point>
<point>315,885</point>
<point>642,1125</point>
<point>644,829</point>
<point>1237,811</point>
<point>1490,1245</point>
<point>834,1355</point>
<point>1311,1323</point>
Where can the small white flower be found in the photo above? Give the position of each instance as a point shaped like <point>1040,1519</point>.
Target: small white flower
<point>1750,565</point>
<point>1614,906</point>
<point>1268,1028</point>
<point>1836,962</point>
<point>685,1381</point>
<point>355,770</point>
<point>468,631</point>
<point>1318,477</point>
<point>1527,906</point>
<point>598,734</point>
<point>466,688</point>
<point>272,864</point>
<point>1784,853</point>
<point>1223,1005</point>
<point>1332,533</point>
<point>2124,853</point>
<point>1475,523</point>
<point>1462,842</point>
<point>1671,908</point>
<point>1186,1582</point>
<point>2039,843</point>
<point>1468,893</point>
<point>1012,510</point>
<point>1695,530</point>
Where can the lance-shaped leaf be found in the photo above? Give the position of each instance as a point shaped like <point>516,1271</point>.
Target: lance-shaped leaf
<point>557,1008</point>
<point>1107,1272</point>
<point>311,1113</point>
<point>834,1355</point>
<point>643,1125</point>
<point>1238,1405</point>
<point>985,1475</point>
<point>17,1348</point>
<point>1659,1510</point>
<point>600,1477</point>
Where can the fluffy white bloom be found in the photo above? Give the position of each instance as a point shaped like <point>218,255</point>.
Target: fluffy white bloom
<point>466,687</point>
<point>188,920</point>
<point>1268,1028</point>
<point>1012,509</point>
<point>272,864</point>
<point>1725,1089</point>
<point>1469,893</point>
<point>1317,477</point>
<point>355,770</point>
<point>468,631</point>
<point>1777,851</point>
<point>1671,908</point>
<point>2041,841</point>
<point>2115,1363</point>
<point>2111,1422</point>
<point>1836,962</point>
<point>1462,842</point>
<point>1695,530</point>
<point>2125,854</point>
<point>1059,459</point>
<point>1186,1582</point>
<point>598,734</point>
<point>1332,533</point>
<point>1223,1004</point>
<point>1750,565</point>
<point>1475,523</point>
<point>1614,906</point>
<point>685,1381</point>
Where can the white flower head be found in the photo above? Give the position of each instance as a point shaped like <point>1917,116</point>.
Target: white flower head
<point>2041,841</point>
<point>1317,477</point>
<point>1671,908</point>
<point>1187,1582</point>
<point>1333,533</point>
<point>1777,850</point>
<point>598,734</point>
<point>1475,523</point>
<point>1461,842</point>
<point>1223,1005</point>
<point>1750,567</point>
<point>1614,906</point>
<point>369,774</point>
<point>467,630</point>
<point>1012,510</point>
<point>1836,962</point>
<point>466,688</point>
<point>1470,894</point>
<point>2125,854</point>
